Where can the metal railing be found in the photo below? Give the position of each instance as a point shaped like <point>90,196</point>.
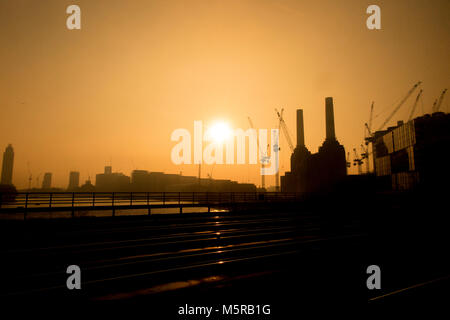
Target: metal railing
<point>72,201</point>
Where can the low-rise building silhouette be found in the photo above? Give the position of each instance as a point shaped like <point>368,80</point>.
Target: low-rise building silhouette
<point>112,181</point>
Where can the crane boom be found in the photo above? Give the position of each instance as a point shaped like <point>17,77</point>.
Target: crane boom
<point>251,126</point>
<point>285,129</point>
<point>400,104</point>
<point>438,104</point>
<point>415,105</point>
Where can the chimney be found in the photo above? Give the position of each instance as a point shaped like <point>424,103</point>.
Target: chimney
<point>300,129</point>
<point>329,118</point>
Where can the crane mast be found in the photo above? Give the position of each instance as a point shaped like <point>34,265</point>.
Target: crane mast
<point>357,161</point>
<point>262,155</point>
<point>283,127</point>
<point>368,126</point>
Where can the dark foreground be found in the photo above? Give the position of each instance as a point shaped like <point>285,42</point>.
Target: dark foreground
<point>286,258</point>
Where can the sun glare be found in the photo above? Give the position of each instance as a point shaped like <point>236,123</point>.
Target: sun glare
<point>220,131</point>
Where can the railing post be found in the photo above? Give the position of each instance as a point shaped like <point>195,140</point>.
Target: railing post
<point>179,202</point>
<point>73,204</point>
<point>207,202</point>
<point>93,199</point>
<point>131,199</point>
<point>50,200</point>
<point>164,198</point>
<point>1,199</point>
<point>113,208</point>
<point>148,204</point>
<point>26,207</point>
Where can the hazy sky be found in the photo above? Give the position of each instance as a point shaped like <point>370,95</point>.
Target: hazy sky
<point>137,70</point>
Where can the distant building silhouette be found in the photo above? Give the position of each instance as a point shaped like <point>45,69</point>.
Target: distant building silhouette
<point>7,165</point>
<point>74,180</point>
<point>321,171</point>
<point>109,181</point>
<point>145,181</point>
<point>142,180</point>
<point>47,181</point>
<point>414,154</point>
<point>87,187</point>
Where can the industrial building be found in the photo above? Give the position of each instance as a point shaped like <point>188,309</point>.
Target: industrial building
<point>320,171</point>
<point>413,154</point>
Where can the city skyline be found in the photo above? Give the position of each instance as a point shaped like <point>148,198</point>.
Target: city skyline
<point>115,180</point>
<point>220,158</point>
<point>116,89</point>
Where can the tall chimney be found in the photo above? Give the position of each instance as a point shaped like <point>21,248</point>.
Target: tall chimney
<point>329,118</point>
<point>300,129</point>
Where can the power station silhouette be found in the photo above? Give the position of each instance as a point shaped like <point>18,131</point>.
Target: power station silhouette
<point>320,171</point>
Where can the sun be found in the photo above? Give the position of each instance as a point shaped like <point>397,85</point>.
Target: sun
<point>220,131</point>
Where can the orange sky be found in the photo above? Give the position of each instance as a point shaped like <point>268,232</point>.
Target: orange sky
<point>137,70</point>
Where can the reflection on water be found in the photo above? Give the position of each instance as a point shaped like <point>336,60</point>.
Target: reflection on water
<point>106,213</point>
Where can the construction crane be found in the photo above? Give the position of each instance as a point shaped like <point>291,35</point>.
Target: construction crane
<point>37,180</point>
<point>283,127</point>
<point>434,105</point>
<point>370,137</point>
<point>357,161</point>
<point>415,104</point>
<point>263,156</point>
<point>410,92</point>
<point>369,126</point>
<point>347,161</point>
<point>365,157</point>
<point>437,103</point>
<point>30,177</point>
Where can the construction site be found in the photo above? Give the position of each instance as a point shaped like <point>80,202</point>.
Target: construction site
<point>395,158</point>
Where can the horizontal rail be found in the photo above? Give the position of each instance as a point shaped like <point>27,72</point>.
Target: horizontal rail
<point>71,201</point>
